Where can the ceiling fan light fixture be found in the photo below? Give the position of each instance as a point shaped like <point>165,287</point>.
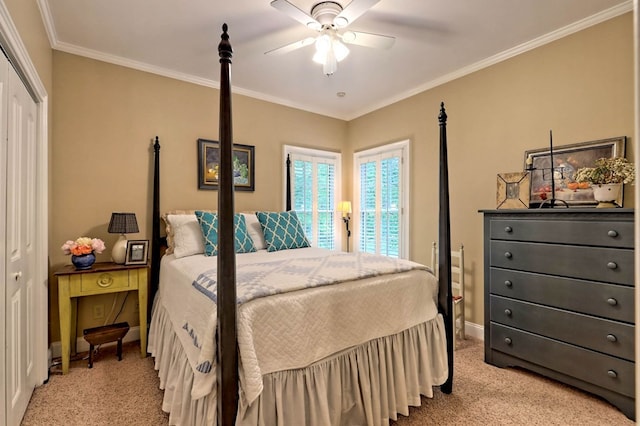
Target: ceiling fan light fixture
<point>329,51</point>
<point>319,57</point>
<point>340,50</point>
<point>330,63</point>
<point>323,43</point>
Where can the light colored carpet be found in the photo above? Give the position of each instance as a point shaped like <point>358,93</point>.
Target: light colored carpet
<point>126,393</point>
<point>487,395</point>
<point>114,393</point>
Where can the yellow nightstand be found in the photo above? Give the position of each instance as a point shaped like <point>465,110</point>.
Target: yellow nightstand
<point>102,278</point>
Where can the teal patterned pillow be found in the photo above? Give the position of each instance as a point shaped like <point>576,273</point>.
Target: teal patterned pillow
<point>209,226</point>
<point>282,231</point>
<point>244,242</point>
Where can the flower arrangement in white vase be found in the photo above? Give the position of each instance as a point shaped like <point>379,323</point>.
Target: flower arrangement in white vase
<point>607,178</point>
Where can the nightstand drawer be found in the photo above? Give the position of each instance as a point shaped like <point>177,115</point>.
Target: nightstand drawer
<point>610,337</point>
<point>107,281</point>
<point>602,370</point>
<point>604,233</point>
<point>593,263</point>
<point>610,301</point>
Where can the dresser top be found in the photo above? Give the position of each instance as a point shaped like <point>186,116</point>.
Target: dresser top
<point>560,210</point>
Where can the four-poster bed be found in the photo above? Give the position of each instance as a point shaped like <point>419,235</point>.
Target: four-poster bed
<point>351,349</point>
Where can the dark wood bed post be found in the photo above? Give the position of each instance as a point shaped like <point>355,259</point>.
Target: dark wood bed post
<point>444,252</point>
<point>227,369</point>
<point>288,165</point>
<point>155,232</point>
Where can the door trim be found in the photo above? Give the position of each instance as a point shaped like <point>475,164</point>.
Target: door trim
<point>18,55</point>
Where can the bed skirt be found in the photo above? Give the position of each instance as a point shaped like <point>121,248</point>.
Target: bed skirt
<point>365,385</point>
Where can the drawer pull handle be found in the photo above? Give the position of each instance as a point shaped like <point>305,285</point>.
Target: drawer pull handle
<point>104,280</point>
<point>508,229</point>
<point>612,233</point>
<point>612,338</point>
<point>612,301</point>
<point>612,374</point>
<point>508,283</point>
<point>508,254</point>
<point>507,312</point>
<point>507,340</point>
<point>612,265</point>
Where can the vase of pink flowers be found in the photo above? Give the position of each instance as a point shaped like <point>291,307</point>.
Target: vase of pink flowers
<point>83,251</point>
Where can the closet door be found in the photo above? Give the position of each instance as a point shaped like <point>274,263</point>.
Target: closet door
<point>20,247</point>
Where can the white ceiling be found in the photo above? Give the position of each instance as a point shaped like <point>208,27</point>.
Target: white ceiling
<point>436,41</point>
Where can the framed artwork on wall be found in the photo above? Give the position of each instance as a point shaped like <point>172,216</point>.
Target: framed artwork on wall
<point>243,165</point>
<point>568,159</point>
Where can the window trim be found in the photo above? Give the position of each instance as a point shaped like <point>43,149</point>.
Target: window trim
<point>405,189</point>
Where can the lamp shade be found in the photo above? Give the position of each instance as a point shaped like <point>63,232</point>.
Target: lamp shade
<point>344,207</point>
<point>123,223</point>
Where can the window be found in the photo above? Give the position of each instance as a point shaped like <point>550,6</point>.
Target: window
<point>381,187</point>
<point>315,175</point>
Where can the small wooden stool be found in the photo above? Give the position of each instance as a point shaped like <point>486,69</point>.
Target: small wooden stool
<point>105,334</point>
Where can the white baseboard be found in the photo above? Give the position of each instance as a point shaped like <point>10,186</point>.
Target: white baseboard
<point>474,330</point>
<point>83,346</point>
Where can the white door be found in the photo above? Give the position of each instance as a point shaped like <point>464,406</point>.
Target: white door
<point>20,254</point>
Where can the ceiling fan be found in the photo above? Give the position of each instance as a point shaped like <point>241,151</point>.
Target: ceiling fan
<point>330,19</point>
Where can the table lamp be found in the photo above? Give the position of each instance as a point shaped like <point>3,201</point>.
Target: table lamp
<point>122,223</point>
<point>344,207</point>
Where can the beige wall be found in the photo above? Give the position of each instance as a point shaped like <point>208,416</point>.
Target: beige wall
<point>581,87</point>
<point>26,17</point>
<point>106,117</point>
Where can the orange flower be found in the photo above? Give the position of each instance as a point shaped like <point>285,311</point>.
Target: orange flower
<point>78,250</point>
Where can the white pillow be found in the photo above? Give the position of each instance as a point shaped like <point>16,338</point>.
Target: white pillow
<point>255,231</point>
<point>187,235</point>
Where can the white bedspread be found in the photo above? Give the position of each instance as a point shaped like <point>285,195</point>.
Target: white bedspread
<point>310,323</point>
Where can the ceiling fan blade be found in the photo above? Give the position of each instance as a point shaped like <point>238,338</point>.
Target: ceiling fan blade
<point>367,39</point>
<point>291,46</point>
<point>353,11</point>
<point>293,12</point>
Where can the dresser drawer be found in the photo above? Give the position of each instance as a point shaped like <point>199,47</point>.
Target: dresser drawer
<point>610,301</point>
<point>106,282</point>
<point>608,372</point>
<point>592,263</point>
<point>611,337</point>
<point>605,233</point>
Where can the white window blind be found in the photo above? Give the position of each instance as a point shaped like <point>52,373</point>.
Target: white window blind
<point>382,185</point>
<point>314,192</point>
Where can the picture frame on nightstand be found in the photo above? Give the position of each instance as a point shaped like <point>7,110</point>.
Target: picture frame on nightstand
<point>137,252</point>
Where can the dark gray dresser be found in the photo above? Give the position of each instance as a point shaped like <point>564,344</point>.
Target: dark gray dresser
<point>559,297</point>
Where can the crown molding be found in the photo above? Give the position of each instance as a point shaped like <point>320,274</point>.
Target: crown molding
<point>507,54</point>
<point>590,21</point>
